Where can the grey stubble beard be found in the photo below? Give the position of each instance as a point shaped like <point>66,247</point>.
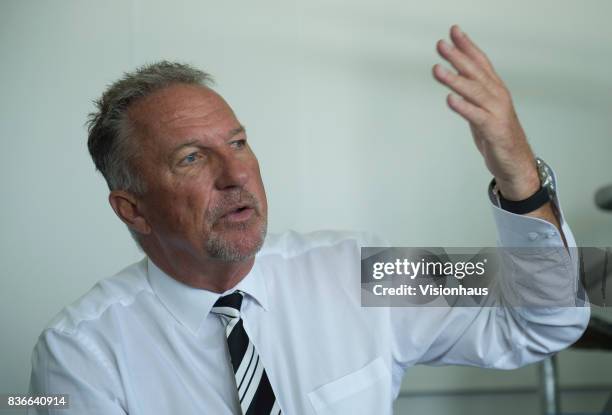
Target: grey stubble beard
<point>227,251</point>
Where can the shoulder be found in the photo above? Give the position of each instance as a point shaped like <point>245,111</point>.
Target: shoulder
<point>323,266</point>
<point>291,243</point>
<point>117,291</point>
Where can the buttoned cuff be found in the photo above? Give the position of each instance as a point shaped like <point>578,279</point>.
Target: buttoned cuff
<point>515,230</point>
<point>534,265</point>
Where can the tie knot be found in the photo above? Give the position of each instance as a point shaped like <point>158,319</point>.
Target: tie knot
<point>232,301</point>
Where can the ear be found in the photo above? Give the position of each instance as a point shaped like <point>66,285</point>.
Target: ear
<point>125,205</point>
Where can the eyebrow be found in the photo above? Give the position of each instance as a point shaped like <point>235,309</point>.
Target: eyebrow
<point>232,133</point>
<point>237,131</point>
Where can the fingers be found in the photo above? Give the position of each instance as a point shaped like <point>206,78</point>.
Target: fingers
<point>470,49</point>
<point>475,80</point>
<point>472,91</point>
<point>470,112</point>
<point>481,98</point>
<point>464,64</point>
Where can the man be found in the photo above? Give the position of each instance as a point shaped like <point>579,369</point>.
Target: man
<point>209,322</point>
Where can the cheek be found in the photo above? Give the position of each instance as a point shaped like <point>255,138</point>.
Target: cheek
<point>183,207</point>
<point>260,180</point>
<point>167,210</point>
<point>192,203</point>
<point>260,192</point>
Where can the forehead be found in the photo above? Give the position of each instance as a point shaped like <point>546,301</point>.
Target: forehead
<point>180,112</point>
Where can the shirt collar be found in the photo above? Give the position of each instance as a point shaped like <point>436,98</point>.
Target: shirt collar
<point>190,305</point>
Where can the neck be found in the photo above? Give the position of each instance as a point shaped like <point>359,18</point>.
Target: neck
<point>204,273</point>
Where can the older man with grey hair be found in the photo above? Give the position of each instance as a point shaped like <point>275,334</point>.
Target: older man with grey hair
<point>214,320</point>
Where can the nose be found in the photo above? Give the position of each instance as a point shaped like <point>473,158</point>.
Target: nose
<point>233,172</point>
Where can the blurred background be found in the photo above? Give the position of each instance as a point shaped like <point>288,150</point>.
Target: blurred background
<point>350,128</point>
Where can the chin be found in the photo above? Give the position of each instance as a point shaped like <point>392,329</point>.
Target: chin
<point>236,245</point>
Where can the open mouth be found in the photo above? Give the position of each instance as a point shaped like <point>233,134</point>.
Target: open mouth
<point>239,214</point>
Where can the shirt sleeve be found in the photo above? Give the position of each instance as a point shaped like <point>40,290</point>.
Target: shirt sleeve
<point>540,272</point>
<point>70,364</point>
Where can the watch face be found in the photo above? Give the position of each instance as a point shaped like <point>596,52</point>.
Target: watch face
<point>546,176</point>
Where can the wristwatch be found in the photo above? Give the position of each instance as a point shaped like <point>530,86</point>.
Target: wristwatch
<point>545,193</point>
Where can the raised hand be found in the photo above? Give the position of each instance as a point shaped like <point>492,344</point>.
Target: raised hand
<point>481,97</point>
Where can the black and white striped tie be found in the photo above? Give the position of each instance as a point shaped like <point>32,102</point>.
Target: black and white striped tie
<point>254,390</point>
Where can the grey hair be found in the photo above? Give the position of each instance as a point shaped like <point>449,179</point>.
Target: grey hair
<point>110,133</point>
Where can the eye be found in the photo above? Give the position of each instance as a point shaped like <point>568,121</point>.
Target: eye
<point>238,144</point>
<point>191,158</point>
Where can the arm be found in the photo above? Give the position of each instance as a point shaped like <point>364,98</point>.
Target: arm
<point>500,334</point>
<point>68,363</point>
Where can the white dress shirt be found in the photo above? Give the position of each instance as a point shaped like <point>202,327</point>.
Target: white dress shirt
<point>142,343</point>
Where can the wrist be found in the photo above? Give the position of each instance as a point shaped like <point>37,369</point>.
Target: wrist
<point>544,185</point>
<point>520,188</point>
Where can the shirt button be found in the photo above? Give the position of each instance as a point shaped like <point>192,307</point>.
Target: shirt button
<point>550,234</point>
<point>532,236</point>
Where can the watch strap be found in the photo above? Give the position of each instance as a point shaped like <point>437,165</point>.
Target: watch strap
<point>520,207</point>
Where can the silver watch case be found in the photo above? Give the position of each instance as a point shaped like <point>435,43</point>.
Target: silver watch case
<point>546,176</point>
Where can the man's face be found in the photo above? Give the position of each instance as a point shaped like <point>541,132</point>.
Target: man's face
<point>205,197</point>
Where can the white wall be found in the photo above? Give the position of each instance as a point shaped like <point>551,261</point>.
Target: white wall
<point>351,131</point>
